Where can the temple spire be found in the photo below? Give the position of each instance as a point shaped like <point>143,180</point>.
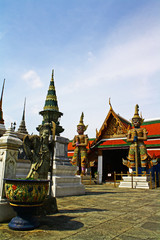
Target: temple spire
<point>22,126</point>
<point>51,99</point>
<point>23,116</point>
<point>2,92</point>
<point>1,112</point>
<point>50,111</point>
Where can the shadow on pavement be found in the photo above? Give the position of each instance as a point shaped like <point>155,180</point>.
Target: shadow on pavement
<point>82,210</point>
<point>98,193</point>
<point>59,223</point>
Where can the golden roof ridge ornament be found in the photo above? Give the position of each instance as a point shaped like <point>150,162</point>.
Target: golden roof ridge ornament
<point>110,103</point>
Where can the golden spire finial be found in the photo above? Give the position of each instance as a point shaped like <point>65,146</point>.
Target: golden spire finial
<point>110,103</point>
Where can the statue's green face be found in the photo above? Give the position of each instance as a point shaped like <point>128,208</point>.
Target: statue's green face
<point>136,122</point>
<point>80,129</point>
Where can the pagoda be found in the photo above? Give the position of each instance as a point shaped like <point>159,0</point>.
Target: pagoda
<point>22,131</point>
<point>51,111</point>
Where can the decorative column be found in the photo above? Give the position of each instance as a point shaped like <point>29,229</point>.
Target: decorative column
<point>100,166</point>
<point>9,145</point>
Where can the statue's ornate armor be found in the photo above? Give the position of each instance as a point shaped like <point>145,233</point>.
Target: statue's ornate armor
<point>80,152</point>
<point>138,156</point>
<point>142,152</point>
<point>80,143</point>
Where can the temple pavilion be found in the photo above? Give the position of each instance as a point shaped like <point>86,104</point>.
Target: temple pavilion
<point>110,145</point>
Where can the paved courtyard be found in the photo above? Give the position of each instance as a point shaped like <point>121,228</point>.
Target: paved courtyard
<point>103,212</point>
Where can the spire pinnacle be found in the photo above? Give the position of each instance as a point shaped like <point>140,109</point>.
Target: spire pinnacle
<point>110,103</point>
<point>1,112</point>
<point>52,79</point>
<point>22,126</point>
<point>2,93</point>
<point>23,116</point>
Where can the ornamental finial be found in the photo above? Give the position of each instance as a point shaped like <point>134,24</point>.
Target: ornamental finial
<point>110,103</point>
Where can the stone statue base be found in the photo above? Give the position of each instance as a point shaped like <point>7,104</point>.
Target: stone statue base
<point>142,182</point>
<point>65,183</point>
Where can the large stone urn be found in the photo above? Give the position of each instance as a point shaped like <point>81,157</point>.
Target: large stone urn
<point>25,196</point>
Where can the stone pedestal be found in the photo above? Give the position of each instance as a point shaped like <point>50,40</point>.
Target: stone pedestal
<point>9,145</point>
<point>23,167</point>
<point>65,183</point>
<point>136,182</point>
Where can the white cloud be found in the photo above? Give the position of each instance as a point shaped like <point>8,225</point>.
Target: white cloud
<point>119,62</point>
<point>32,79</point>
<point>127,69</point>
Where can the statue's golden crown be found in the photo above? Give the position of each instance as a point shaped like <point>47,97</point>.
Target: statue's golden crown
<point>81,122</point>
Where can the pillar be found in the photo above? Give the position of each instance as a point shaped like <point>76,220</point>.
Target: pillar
<point>100,166</point>
<point>9,145</point>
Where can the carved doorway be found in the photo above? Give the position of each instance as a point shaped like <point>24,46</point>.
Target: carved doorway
<point>112,161</point>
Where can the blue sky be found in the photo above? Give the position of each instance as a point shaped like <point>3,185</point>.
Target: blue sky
<point>98,49</point>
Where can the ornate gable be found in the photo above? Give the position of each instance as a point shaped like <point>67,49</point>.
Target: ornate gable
<point>114,126</point>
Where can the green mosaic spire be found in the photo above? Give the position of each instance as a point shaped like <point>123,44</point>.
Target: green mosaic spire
<point>51,111</point>
<point>51,99</point>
